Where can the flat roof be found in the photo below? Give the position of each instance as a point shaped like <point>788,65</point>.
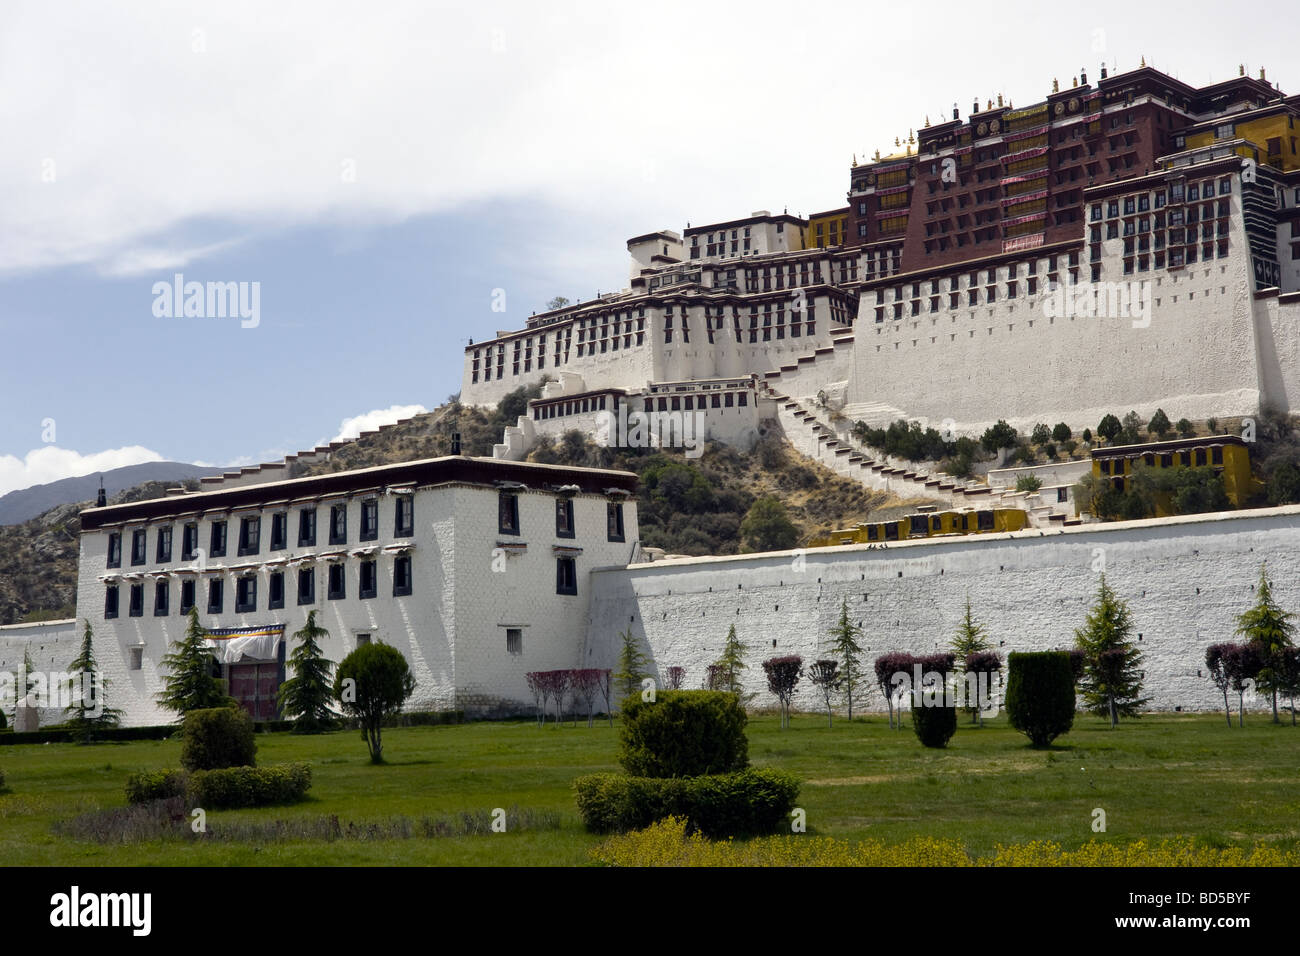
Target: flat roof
<point>450,468</point>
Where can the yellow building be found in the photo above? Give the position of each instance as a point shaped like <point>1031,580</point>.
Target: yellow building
<point>827,229</point>
<point>1228,455</point>
<point>1272,135</point>
<point>932,524</point>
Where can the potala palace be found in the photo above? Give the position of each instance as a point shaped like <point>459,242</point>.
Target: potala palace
<point>944,292</point>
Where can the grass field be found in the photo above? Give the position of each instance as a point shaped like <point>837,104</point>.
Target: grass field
<point>1158,777</point>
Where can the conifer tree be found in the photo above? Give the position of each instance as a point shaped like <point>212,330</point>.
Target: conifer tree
<point>847,650</point>
<point>189,683</point>
<point>969,640</point>
<point>631,665</point>
<point>1268,629</point>
<point>88,715</point>
<point>1112,680</point>
<point>732,661</point>
<point>305,697</point>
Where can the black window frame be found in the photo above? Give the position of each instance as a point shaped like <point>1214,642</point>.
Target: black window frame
<point>564,518</point>
<point>369,520</point>
<point>614,528</point>
<point>135,601</point>
<point>404,508</point>
<point>139,547</point>
<point>336,570</point>
<point>246,594</point>
<point>250,535</point>
<point>274,584</point>
<point>219,530</point>
<point>402,589</point>
<point>216,595</point>
<point>307,527</point>
<point>279,531</point>
<point>365,593</point>
<point>163,545</point>
<point>508,513</point>
<point>189,541</point>
<point>112,601</point>
<point>114,553</point>
<point>162,593</point>
<point>306,576</point>
<point>189,590</point>
<point>566,574</point>
<point>338,524</point>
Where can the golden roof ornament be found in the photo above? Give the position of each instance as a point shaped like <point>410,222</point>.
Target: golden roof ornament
<point>990,106</point>
<point>1056,85</point>
<point>855,160</point>
<point>877,156</point>
<point>927,120</point>
<point>1144,61</point>
<point>898,141</point>
<point>1261,73</point>
<point>1241,69</point>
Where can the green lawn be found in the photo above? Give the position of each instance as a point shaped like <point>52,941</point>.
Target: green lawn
<point>1162,776</point>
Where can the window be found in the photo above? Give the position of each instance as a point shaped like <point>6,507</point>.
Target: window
<point>370,519</point>
<point>307,528</point>
<point>164,551</point>
<point>614,520</point>
<point>217,544</point>
<point>363,639</point>
<point>279,531</point>
<point>507,513</point>
<point>187,596</point>
<point>404,516</point>
<point>250,535</point>
<point>136,608</point>
<point>514,640</point>
<point>1216,455</point>
<point>189,541</point>
<point>215,596</point>
<point>246,594</point>
<point>402,575</point>
<point>306,585</point>
<point>161,598</point>
<point>137,658</point>
<point>368,587</point>
<point>566,576</point>
<point>115,550</point>
<point>138,551</point>
<point>337,582</point>
<point>564,518</point>
<point>110,601</point>
<point>1062,494</point>
<point>339,524</point>
<point>984,520</point>
<point>275,591</point>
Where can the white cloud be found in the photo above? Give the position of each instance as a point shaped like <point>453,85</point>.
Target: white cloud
<point>352,427</point>
<point>151,261</point>
<point>52,463</point>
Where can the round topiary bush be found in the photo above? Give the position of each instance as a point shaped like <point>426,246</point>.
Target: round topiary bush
<point>217,738</point>
<point>1040,695</point>
<point>683,733</point>
<point>934,726</point>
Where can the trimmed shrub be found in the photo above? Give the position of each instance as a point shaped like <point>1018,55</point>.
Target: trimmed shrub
<point>155,785</point>
<point>1040,695</point>
<point>233,787</point>
<point>746,803</point>
<point>216,738</point>
<point>683,733</point>
<point>934,726</point>
<point>54,736</point>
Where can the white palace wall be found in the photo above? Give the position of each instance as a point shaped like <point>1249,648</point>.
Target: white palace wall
<point>1186,579</point>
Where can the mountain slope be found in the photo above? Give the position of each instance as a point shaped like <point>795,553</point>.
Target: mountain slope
<point>28,503</point>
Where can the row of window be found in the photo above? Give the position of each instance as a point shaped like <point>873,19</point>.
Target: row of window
<point>250,533</point>
<point>508,517</point>
<point>246,590</point>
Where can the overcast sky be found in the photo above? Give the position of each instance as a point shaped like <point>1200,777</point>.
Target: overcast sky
<point>379,168</point>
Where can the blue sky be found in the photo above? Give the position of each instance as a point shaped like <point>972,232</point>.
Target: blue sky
<point>379,169</point>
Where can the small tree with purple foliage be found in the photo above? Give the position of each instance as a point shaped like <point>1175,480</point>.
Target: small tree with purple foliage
<point>783,675</point>
<point>826,676</point>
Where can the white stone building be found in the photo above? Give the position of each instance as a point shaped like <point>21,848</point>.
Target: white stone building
<point>475,569</point>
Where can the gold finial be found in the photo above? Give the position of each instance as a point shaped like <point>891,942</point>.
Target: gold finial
<point>1261,73</point>
<point>999,99</point>
<point>910,137</point>
<point>1056,85</point>
<point>990,106</point>
<point>927,120</point>
<point>1241,69</point>
<point>1074,83</point>
<point>1144,61</point>
<point>897,141</point>
<point>855,159</point>
<point>877,156</point>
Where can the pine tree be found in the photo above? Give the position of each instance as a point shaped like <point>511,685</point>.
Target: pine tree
<point>305,697</point>
<point>190,684</point>
<point>631,665</point>
<point>969,640</point>
<point>732,661</point>
<point>845,646</point>
<point>87,716</point>
<point>1112,679</point>
<point>1268,629</point>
